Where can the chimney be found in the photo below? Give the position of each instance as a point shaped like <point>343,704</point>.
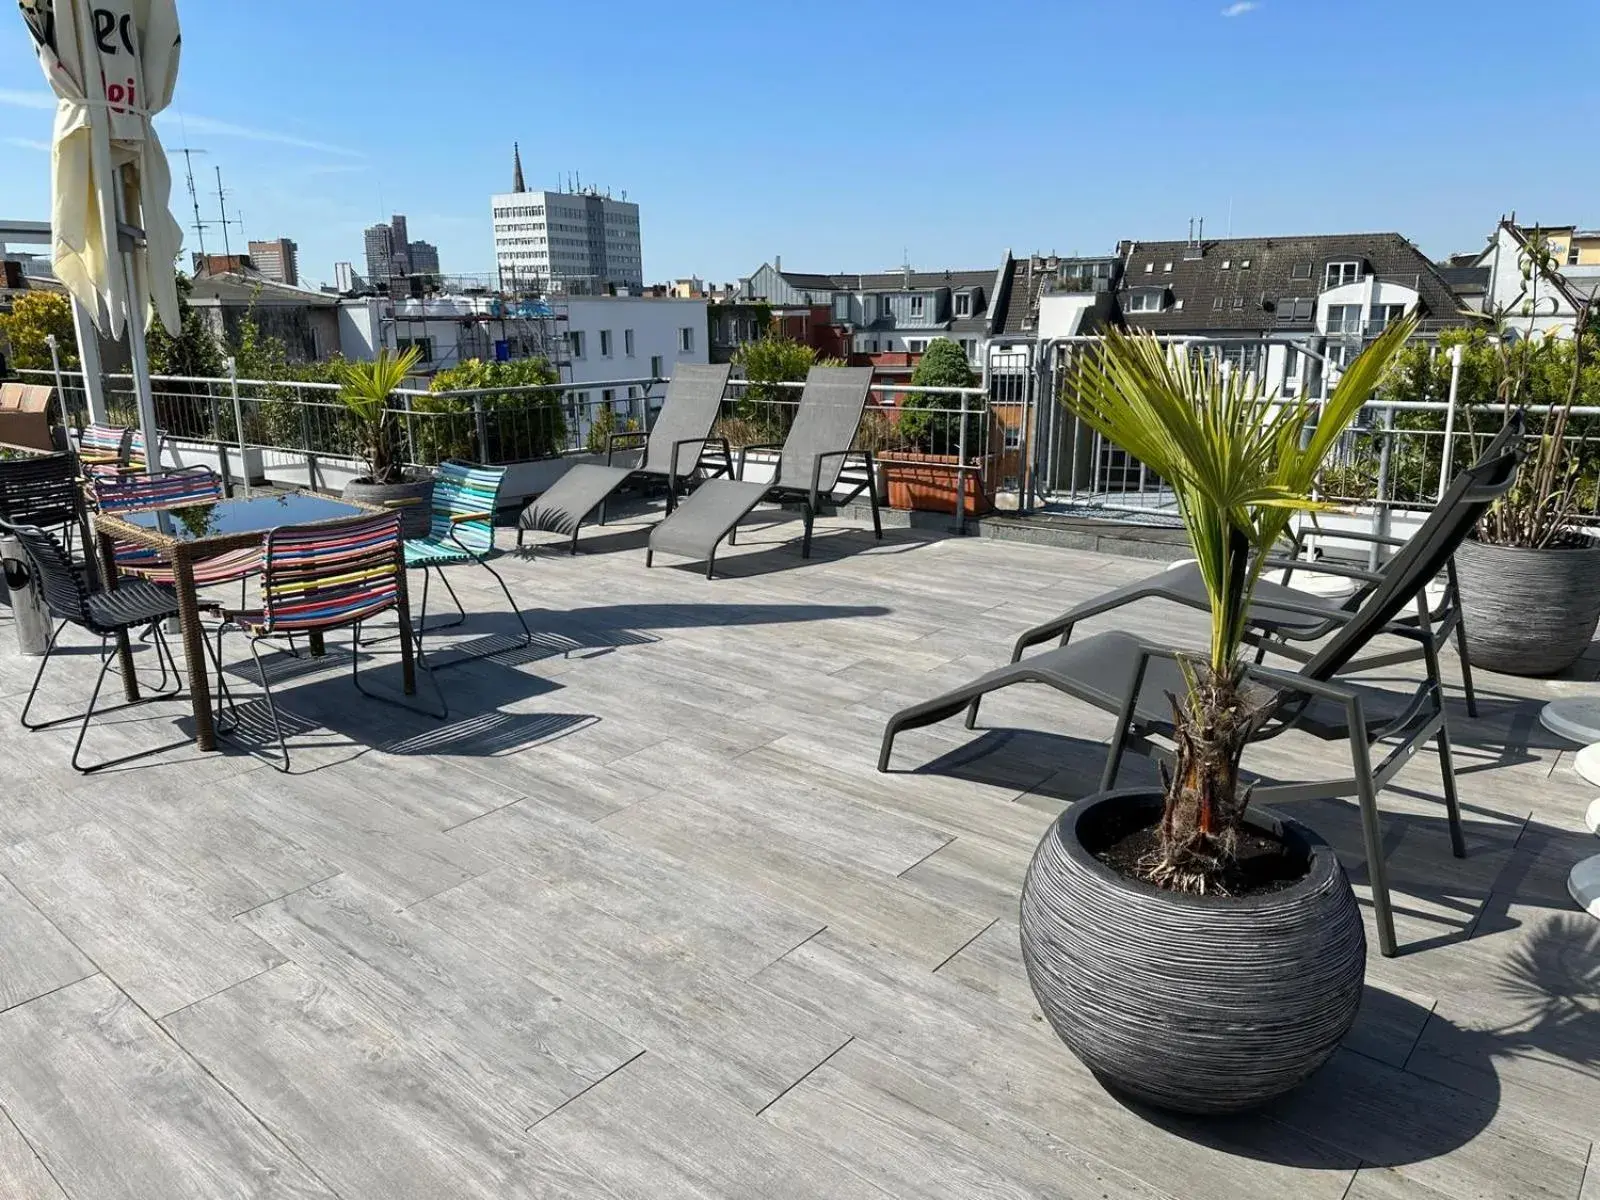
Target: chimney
<point>777,262</point>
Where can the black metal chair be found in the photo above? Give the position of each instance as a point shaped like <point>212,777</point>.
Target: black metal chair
<point>44,492</point>
<point>72,600</point>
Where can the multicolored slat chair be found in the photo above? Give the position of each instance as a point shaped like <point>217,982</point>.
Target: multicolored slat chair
<point>104,447</point>
<point>317,578</point>
<point>461,530</point>
<point>127,493</point>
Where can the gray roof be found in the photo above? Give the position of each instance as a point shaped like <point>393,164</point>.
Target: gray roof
<point>246,289</point>
<point>1279,268</point>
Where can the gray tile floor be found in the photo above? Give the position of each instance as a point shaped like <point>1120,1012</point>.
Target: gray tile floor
<point>641,920</point>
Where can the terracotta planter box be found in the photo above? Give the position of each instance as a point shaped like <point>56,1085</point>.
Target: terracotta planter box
<point>929,483</point>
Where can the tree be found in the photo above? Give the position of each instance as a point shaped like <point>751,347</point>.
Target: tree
<point>764,409</point>
<point>931,420</point>
<point>193,351</point>
<point>33,316</point>
<point>365,390</point>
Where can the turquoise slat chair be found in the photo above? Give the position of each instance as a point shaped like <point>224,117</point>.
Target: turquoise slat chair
<point>461,530</point>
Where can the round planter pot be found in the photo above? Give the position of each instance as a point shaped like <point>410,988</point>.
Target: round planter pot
<point>1528,612</point>
<point>1198,1004</point>
<point>414,518</point>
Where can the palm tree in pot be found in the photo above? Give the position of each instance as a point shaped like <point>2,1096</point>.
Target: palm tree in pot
<point>365,391</point>
<point>1180,973</point>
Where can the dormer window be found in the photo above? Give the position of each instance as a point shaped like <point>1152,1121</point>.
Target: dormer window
<point>1340,273</point>
<point>963,304</point>
<point>1147,300</point>
<point>916,306</point>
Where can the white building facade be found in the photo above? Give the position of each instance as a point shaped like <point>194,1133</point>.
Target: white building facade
<point>580,243</point>
<point>614,339</point>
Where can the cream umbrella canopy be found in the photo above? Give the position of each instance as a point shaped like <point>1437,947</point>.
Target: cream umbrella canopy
<point>113,65</point>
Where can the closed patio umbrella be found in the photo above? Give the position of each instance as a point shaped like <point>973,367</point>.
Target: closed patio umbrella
<point>113,65</point>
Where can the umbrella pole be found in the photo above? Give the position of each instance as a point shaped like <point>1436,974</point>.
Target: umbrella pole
<point>138,302</point>
<point>94,381</point>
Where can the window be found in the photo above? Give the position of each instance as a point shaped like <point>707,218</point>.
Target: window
<point>607,396</point>
<point>1145,300</point>
<point>605,343</point>
<point>1238,303</point>
<point>1226,263</point>
<point>686,339</point>
<point>874,345</point>
<point>1149,268</point>
<point>1166,268</point>
<point>883,306</point>
<point>1291,371</point>
<point>1344,318</point>
<point>970,345</point>
<point>575,341</point>
<point>916,345</point>
<point>1216,303</point>
<point>424,347</point>
<point>1300,271</point>
<point>1383,314</point>
<point>1340,273</point>
<point>627,342</point>
<point>1013,437</point>
<point>963,304</point>
<point>655,366</point>
<point>916,306</point>
<point>1572,255</point>
<point>1244,264</point>
<point>841,306</point>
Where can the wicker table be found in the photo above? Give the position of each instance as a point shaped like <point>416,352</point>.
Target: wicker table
<point>201,531</point>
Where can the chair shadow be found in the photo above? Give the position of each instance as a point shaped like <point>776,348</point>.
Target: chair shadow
<point>783,554</point>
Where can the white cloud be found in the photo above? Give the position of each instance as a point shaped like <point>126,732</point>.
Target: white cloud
<point>194,124</point>
<point>20,99</point>
<point>1240,7</point>
<point>27,144</point>
<point>209,125</point>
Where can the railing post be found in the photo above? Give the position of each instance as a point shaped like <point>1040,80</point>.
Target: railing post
<point>55,366</point>
<point>238,418</point>
<point>305,441</point>
<point>480,422</point>
<point>412,454</point>
<point>961,469</point>
<point>1380,513</point>
<point>1450,420</point>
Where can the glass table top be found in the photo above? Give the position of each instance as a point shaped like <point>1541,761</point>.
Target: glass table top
<point>243,514</point>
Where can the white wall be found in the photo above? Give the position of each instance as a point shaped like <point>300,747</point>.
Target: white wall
<point>656,323</point>
<point>1549,312</point>
<point>360,328</point>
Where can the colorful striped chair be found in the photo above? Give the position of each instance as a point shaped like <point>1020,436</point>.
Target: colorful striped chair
<point>102,446</point>
<point>461,530</point>
<point>317,578</point>
<point>127,493</point>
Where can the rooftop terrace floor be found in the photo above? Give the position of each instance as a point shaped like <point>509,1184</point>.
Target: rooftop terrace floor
<point>640,920</point>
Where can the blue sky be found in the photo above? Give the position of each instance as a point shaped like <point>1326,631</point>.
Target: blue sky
<point>844,138</point>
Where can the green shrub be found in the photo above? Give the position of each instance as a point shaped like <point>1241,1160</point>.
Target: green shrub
<point>931,422</point>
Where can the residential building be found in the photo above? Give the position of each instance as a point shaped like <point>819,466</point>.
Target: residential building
<point>305,321</point>
<point>221,264</point>
<point>575,242</point>
<point>888,318</point>
<point>611,338</point>
<point>278,260</point>
<point>1533,297</point>
<point>1272,300</point>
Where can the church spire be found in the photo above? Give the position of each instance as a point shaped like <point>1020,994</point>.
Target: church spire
<point>516,178</point>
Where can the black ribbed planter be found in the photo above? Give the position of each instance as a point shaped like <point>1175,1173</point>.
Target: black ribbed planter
<point>1528,612</point>
<point>1199,1004</point>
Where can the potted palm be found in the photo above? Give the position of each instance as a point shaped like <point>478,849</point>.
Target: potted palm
<point>1530,575</point>
<point>365,389</point>
<point>1195,953</point>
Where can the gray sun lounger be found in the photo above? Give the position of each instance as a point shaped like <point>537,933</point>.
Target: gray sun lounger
<point>811,465</point>
<point>1122,674</point>
<point>672,453</point>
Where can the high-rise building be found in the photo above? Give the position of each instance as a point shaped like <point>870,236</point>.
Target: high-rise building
<point>578,241</point>
<point>424,258</point>
<point>380,252</point>
<point>278,259</point>
<point>400,244</point>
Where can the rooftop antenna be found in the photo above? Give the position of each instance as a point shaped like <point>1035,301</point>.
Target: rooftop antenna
<point>222,216</point>
<point>200,226</point>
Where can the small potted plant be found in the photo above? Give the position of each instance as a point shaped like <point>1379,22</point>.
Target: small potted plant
<point>365,389</point>
<point>923,478</point>
<point>1530,575</point>
<point>1196,954</point>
